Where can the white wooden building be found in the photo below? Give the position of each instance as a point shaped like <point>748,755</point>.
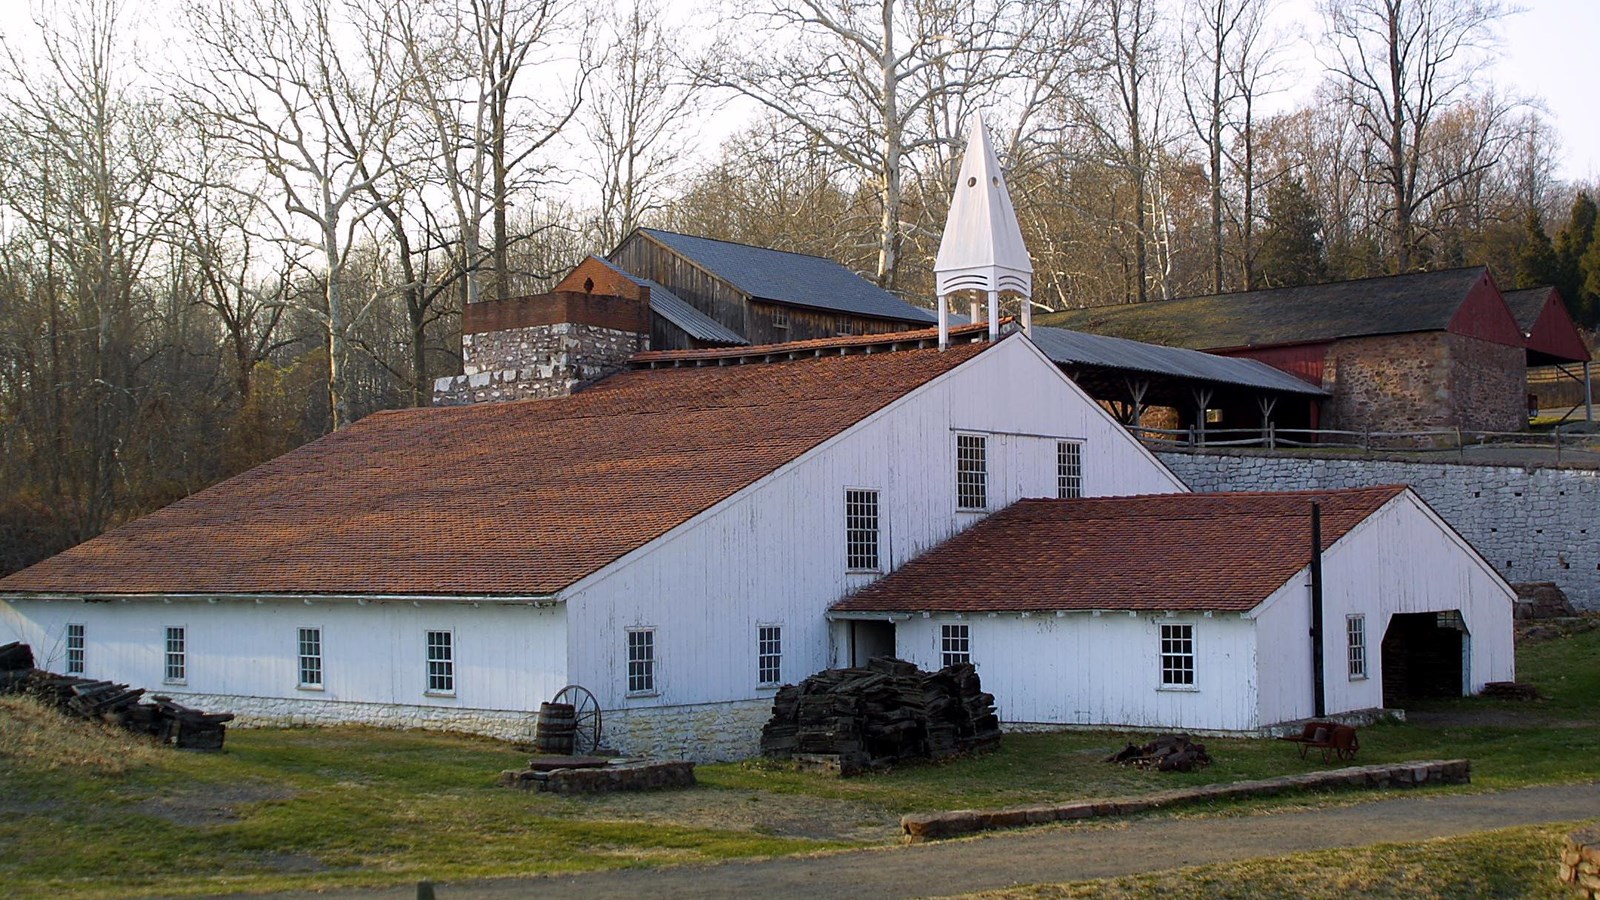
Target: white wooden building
<point>1194,611</point>
<point>684,537</point>
<point>671,539</point>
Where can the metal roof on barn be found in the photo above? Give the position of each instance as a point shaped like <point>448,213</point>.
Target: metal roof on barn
<point>1076,349</point>
<point>1394,304</point>
<point>669,306</point>
<point>779,276</point>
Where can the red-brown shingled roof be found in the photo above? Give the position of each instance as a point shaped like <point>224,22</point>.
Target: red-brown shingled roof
<point>1224,552</point>
<point>520,498</point>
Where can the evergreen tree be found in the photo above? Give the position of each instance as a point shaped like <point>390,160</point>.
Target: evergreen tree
<point>1536,258</point>
<point>1291,251</point>
<point>1572,246</point>
<point>1588,312</point>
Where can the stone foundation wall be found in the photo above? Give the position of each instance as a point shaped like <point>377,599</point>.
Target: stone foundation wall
<point>708,732</point>
<point>536,361</point>
<point>271,712</point>
<point>1530,524</point>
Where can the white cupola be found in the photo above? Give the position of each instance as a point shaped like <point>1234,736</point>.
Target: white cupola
<point>982,248</point>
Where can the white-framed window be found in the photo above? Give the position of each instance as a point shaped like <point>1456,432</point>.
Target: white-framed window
<point>176,670</point>
<point>641,660</point>
<point>1069,469</point>
<point>441,662</point>
<point>1177,655</point>
<point>861,530</point>
<point>75,644</point>
<point>1355,629</point>
<point>769,654</point>
<point>972,471</point>
<point>780,319</point>
<point>955,644</point>
<point>309,641</point>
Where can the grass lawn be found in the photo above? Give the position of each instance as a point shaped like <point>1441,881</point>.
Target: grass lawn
<point>89,812</point>
<point>1514,862</point>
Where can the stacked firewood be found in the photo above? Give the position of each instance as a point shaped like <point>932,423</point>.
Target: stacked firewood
<point>1167,753</point>
<point>889,710</point>
<point>117,704</point>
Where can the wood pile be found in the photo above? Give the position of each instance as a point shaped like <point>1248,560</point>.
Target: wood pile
<point>1510,690</point>
<point>116,704</point>
<point>1167,753</point>
<point>887,711</point>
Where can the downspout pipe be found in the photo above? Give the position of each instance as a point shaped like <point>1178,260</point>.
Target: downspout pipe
<point>1318,683</point>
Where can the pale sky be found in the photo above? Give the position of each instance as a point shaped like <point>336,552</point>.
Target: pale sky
<point>1547,50</point>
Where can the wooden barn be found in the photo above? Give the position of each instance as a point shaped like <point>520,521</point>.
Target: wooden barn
<point>1410,352</point>
<point>765,296</point>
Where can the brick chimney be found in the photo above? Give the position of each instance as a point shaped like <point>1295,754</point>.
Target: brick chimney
<point>549,345</point>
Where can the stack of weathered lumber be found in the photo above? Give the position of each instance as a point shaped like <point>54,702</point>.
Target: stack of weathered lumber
<point>886,711</point>
<point>117,704</point>
<point>1167,753</point>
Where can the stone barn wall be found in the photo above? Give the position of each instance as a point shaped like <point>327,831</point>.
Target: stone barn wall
<point>1425,380</point>
<point>1488,384</point>
<point>1531,524</point>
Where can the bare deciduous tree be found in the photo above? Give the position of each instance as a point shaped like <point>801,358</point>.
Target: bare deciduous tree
<point>1405,62</point>
<point>291,87</point>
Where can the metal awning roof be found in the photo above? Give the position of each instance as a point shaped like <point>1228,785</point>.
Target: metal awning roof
<point>1078,349</point>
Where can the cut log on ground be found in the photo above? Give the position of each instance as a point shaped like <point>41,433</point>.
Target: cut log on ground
<point>1167,753</point>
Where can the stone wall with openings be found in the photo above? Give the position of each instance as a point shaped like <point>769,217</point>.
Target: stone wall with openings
<point>1531,524</point>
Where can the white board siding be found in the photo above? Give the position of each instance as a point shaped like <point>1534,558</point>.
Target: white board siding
<point>775,552</point>
<point>1083,669</point>
<point>506,657</point>
<point>1402,559</point>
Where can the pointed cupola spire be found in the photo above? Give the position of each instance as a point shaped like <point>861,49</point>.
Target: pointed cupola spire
<point>982,248</point>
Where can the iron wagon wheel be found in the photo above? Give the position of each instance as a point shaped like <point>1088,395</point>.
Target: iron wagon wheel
<point>1350,752</point>
<point>586,717</point>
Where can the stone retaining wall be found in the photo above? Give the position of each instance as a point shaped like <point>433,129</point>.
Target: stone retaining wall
<point>1580,862</point>
<point>1531,524</point>
<point>918,827</point>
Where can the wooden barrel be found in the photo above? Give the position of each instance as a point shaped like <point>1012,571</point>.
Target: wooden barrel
<point>557,724</point>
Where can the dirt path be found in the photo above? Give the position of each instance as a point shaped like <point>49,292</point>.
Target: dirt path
<point>1053,854</point>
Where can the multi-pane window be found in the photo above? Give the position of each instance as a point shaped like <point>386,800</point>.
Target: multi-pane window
<point>177,653</point>
<point>780,319</point>
<point>1355,628</point>
<point>972,471</point>
<point>1069,469</point>
<point>769,654</point>
<point>861,530</point>
<point>1177,655</point>
<point>955,644</point>
<point>441,662</point>
<point>641,660</point>
<point>74,649</point>
<point>310,641</point>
